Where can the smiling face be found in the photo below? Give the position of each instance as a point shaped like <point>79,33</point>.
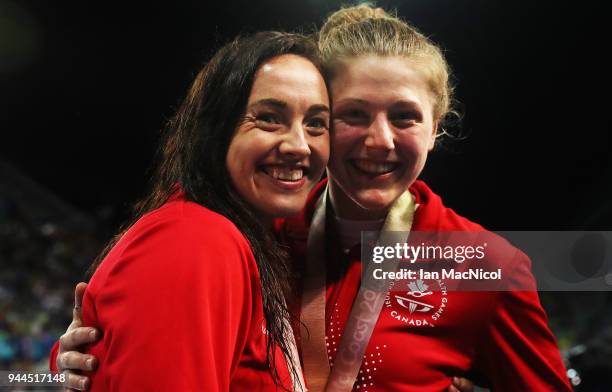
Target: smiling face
<point>383,128</point>
<point>281,146</point>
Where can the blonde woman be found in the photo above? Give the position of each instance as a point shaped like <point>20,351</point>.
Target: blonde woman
<point>390,95</point>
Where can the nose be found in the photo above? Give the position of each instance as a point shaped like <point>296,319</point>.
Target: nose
<point>380,134</point>
<point>294,143</point>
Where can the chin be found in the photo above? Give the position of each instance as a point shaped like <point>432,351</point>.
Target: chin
<point>281,207</point>
<point>375,200</point>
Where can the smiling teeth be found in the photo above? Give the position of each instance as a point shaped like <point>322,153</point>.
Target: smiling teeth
<point>285,173</point>
<point>373,167</point>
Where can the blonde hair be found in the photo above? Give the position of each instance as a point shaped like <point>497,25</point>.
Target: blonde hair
<point>364,30</point>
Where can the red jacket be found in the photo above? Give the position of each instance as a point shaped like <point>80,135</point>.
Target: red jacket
<point>500,338</point>
<point>178,301</point>
<point>184,255</point>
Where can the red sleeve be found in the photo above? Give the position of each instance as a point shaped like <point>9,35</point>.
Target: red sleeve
<point>174,308</point>
<point>519,352</point>
<point>53,357</point>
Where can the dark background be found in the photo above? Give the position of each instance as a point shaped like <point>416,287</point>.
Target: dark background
<point>86,88</point>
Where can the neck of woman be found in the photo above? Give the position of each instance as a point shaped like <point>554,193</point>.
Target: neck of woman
<point>346,208</point>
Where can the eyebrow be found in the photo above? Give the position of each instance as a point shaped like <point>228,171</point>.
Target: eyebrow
<point>318,108</point>
<point>277,103</point>
<point>270,102</point>
<point>355,100</point>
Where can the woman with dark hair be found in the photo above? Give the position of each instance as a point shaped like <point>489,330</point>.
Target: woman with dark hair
<point>246,146</point>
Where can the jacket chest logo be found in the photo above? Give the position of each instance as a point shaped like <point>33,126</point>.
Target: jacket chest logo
<point>414,303</point>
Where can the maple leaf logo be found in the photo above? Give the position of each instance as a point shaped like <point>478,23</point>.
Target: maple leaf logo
<point>418,288</point>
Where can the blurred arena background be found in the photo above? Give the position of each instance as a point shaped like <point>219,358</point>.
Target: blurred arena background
<point>85,89</point>
<point>45,246</point>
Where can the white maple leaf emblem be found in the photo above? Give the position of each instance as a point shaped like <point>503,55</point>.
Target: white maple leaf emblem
<point>418,289</point>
